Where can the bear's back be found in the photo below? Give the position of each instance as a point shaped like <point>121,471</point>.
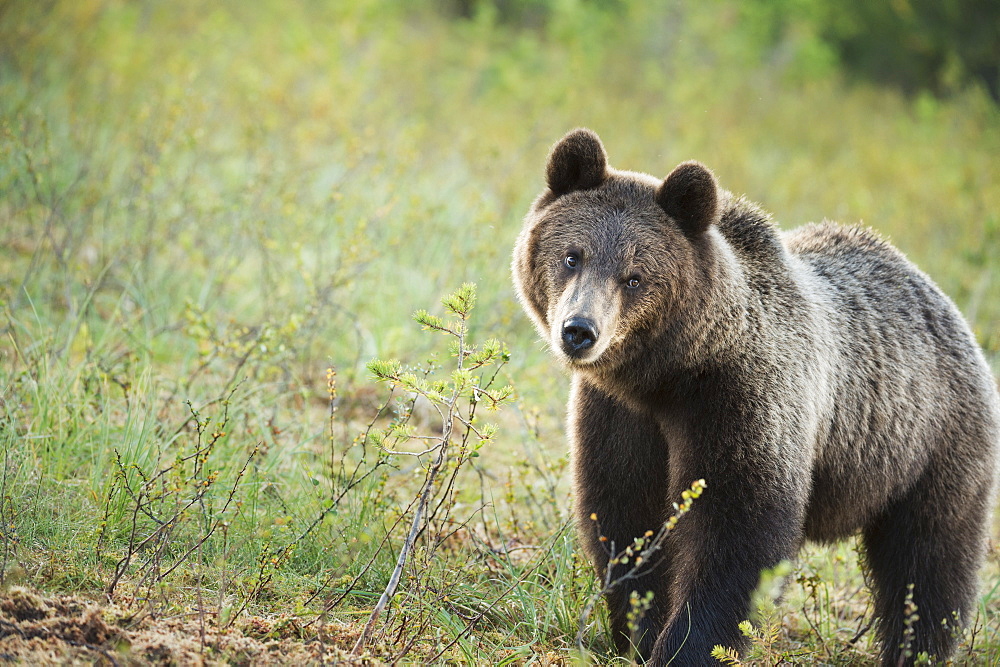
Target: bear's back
<point>910,383</point>
<point>874,290</point>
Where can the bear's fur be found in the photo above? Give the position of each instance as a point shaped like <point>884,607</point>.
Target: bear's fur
<point>816,380</point>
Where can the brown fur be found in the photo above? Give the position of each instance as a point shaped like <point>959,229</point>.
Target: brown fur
<point>819,382</point>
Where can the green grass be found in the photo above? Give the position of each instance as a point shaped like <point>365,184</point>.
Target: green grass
<point>204,208</point>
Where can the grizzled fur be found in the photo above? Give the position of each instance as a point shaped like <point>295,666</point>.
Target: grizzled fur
<point>818,381</point>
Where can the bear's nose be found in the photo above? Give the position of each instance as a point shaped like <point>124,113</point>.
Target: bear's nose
<point>578,334</point>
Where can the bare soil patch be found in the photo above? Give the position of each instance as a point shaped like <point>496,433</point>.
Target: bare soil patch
<point>37,629</point>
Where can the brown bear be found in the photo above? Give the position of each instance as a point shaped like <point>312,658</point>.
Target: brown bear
<point>817,381</point>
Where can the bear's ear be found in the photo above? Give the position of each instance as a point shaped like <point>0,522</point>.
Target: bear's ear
<point>577,162</point>
<point>690,196</point>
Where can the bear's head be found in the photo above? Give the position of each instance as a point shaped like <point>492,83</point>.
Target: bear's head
<point>608,256</point>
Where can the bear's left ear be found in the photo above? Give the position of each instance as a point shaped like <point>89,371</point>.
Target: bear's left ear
<point>577,162</point>
<point>690,196</point>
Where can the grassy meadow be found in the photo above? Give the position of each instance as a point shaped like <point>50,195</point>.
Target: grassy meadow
<point>214,216</point>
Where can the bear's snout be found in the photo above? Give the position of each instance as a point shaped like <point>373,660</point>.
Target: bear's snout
<point>578,335</point>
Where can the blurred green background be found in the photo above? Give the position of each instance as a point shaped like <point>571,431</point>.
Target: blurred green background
<point>194,194</point>
<point>365,157</point>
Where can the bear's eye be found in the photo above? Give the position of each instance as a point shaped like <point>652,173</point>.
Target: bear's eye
<point>571,261</point>
<point>632,282</point>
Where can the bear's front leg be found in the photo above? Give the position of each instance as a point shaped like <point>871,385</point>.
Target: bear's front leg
<point>620,465</point>
<point>739,527</point>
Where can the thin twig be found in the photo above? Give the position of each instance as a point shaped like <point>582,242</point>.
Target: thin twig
<point>404,553</point>
<point>425,497</point>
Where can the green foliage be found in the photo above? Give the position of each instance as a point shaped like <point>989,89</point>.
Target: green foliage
<point>726,656</point>
<point>933,45</point>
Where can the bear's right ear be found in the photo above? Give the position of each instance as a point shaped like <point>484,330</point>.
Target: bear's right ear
<point>577,162</point>
<point>690,196</point>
